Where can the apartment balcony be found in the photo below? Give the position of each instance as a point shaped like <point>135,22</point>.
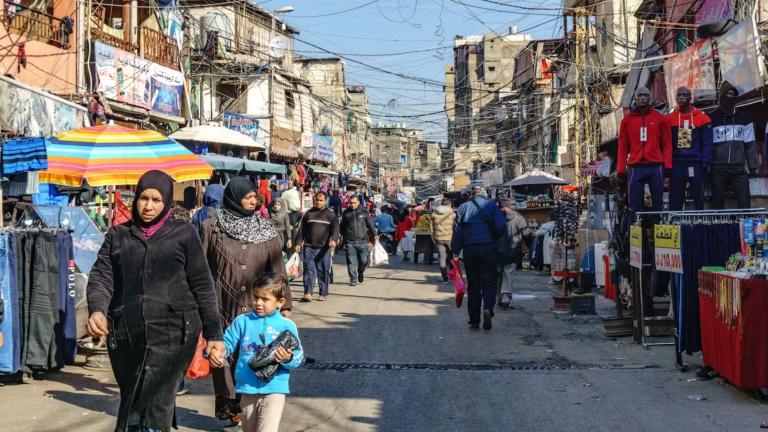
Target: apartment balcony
<point>159,48</point>
<point>38,25</point>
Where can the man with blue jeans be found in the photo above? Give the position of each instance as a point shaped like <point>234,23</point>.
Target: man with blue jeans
<point>478,226</point>
<point>318,232</point>
<point>645,152</point>
<point>358,232</point>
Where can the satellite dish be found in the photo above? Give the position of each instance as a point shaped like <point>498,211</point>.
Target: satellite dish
<point>278,46</point>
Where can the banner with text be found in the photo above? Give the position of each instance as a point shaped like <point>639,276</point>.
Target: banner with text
<point>636,246</point>
<point>668,257</point>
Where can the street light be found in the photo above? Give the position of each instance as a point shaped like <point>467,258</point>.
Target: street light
<point>280,10</point>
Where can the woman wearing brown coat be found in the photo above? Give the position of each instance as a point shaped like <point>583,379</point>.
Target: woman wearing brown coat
<point>240,246</point>
<point>442,232</point>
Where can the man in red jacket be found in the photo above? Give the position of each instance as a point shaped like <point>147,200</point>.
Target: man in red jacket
<point>645,152</point>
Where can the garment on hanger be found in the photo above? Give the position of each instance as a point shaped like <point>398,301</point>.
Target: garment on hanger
<point>22,184</point>
<point>10,351</point>
<point>66,331</point>
<point>24,154</point>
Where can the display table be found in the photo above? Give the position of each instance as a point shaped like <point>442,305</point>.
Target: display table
<point>539,214</point>
<point>424,245</point>
<point>734,328</point>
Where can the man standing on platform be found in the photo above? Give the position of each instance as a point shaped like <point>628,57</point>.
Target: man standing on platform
<point>692,151</point>
<point>478,226</point>
<point>645,152</point>
<point>734,156</point>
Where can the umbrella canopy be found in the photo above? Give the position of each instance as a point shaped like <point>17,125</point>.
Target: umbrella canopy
<point>236,165</point>
<point>536,177</point>
<point>215,134</point>
<point>113,155</point>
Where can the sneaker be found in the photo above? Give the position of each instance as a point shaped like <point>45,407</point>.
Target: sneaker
<point>474,326</point>
<point>307,298</point>
<point>406,259</point>
<point>322,298</point>
<point>360,278</point>
<point>182,389</point>
<point>353,283</point>
<point>487,324</point>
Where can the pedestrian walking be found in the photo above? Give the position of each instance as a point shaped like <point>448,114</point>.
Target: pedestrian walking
<point>478,226</point>
<point>511,249</point>
<point>212,201</point>
<point>240,246</point>
<point>279,217</point>
<point>151,293</point>
<point>443,218</point>
<point>358,234</point>
<point>404,235</point>
<point>318,233</point>
<point>251,333</point>
<point>334,202</point>
<point>292,198</point>
<point>734,156</point>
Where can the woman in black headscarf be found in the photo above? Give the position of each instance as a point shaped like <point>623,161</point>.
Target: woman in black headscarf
<point>240,246</point>
<point>151,293</point>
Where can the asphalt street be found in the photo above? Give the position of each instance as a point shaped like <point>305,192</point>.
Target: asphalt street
<point>394,354</point>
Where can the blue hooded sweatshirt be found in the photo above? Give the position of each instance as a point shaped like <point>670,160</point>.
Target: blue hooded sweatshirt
<point>213,198</point>
<point>249,333</point>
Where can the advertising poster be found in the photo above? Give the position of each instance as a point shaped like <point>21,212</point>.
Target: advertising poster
<point>323,148</point>
<point>167,91</point>
<point>693,68</point>
<point>245,124</point>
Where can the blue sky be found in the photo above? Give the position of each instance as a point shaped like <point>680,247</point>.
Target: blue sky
<point>383,34</point>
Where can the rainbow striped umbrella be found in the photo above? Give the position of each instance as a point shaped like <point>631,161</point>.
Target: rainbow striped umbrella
<point>113,155</point>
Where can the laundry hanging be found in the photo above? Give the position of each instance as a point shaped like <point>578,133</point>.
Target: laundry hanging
<point>24,154</point>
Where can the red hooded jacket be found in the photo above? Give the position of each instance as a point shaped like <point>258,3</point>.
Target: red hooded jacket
<point>657,149</point>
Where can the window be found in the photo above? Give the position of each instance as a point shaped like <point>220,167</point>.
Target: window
<point>290,104</point>
<point>491,68</point>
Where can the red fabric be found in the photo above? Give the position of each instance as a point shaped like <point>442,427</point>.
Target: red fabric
<point>302,172</point>
<point>658,147</point>
<point>610,289</point>
<point>736,346</point>
<point>122,212</point>
<point>677,119</point>
<point>265,192</point>
<point>404,225</point>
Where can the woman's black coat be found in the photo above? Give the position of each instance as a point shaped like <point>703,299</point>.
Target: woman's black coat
<point>157,295</point>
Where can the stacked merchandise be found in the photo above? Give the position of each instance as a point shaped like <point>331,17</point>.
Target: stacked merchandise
<point>37,289</point>
<point>566,218</point>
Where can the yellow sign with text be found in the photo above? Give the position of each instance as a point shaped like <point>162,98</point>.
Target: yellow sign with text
<point>666,236</point>
<point>635,236</point>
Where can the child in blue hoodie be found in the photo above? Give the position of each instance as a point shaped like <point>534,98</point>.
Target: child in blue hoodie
<point>262,402</point>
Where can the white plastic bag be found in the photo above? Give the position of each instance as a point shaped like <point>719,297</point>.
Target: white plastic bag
<point>294,267</point>
<point>379,255</point>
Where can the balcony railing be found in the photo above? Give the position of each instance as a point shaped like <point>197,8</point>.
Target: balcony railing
<point>159,48</point>
<point>114,41</point>
<point>38,25</point>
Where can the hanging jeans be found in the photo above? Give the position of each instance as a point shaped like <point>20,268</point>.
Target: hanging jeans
<point>317,265</point>
<point>686,176</point>
<point>721,178</point>
<point>480,264</point>
<point>66,332</point>
<point>639,176</point>
<point>10,351</point>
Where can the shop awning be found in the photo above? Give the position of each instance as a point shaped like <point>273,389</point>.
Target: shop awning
<point>236,165</point>
<point>322,170</point>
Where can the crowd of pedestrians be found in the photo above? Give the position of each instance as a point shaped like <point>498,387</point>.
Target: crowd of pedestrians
<point>160,280</point>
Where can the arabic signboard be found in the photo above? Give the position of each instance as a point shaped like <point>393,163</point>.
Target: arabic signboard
<point>242,123</point>
<point>693,68</point>
<point>668,257</point>
<point>636,246</point>
<point>323,148</point>
<point>128,78</point>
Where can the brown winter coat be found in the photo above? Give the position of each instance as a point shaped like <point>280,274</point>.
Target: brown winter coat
<point>442,223</point>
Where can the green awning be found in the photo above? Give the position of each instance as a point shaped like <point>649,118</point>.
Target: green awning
<point>322,169</point>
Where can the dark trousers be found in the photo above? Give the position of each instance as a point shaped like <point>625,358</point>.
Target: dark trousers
<point>480,264</point>
<point>681,180</point>
<point>66,333</point>
<point>317,266</point>
<point>639,176</point>
<point>722,178</point>
<point>357,259</point>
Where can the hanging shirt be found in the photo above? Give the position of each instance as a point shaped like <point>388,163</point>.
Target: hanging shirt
<point>24,154</point>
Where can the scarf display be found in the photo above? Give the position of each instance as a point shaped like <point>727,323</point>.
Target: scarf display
<point>251,229</point>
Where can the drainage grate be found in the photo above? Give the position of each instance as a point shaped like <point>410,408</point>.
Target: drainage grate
<point>319,365</point>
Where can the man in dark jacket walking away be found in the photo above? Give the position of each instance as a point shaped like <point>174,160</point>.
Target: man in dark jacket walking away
<point>691,151</point>
<point>645,152</point>
<point>479,224</point>
<point>318,232</point>
<point>358,232</point>
<point>734,154</point>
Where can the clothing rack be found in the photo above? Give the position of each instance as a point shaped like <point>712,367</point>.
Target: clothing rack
<point>678,218</point>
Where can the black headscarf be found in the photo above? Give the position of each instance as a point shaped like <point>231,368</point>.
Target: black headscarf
<point>190,198</point>
<point>236,190</point>
<point>153,180</point>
